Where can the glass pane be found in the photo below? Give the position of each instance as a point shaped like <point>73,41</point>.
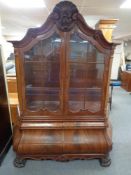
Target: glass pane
<point>86,68</point>
<point>42,74</point>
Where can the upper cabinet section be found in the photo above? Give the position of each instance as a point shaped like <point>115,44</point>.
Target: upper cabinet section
<point>63,66</point>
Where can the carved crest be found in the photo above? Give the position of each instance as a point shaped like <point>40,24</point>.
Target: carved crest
<point>65,15</point>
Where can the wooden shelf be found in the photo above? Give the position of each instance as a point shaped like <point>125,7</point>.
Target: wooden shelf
<point>13,97</point>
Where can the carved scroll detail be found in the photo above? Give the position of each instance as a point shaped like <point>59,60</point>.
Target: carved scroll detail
<point>65,15</point>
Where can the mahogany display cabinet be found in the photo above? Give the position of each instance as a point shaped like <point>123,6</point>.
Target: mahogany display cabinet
<point>63,71</point>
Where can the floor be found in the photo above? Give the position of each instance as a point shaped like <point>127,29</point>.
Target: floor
<point>120,155</point>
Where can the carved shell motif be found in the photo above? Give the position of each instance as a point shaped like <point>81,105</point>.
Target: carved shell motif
<point>65,15</point>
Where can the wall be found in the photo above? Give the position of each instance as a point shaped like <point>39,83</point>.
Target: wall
<point>118,60</point>
<point>7,47</point>
<point>127,49</point>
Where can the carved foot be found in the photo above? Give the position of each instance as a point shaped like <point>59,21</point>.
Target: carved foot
<point>19,162</point>
<point>105,161</point>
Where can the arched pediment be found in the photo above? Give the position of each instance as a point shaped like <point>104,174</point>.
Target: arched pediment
<point>65,17</point>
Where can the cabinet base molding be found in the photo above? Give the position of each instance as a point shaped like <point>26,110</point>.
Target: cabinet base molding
<point>105,161</point>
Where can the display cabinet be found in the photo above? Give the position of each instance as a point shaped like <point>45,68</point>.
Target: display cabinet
<point>63,71</point>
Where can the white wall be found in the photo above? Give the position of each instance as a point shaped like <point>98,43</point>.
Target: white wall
<point>127,49</point>
<point>118,60</point>
<point>7,47</point>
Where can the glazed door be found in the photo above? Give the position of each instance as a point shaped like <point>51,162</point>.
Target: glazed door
<point>85,72</point>
<point>43,82</point>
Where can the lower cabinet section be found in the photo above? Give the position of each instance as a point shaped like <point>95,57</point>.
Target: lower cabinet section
<point>61,144</point>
